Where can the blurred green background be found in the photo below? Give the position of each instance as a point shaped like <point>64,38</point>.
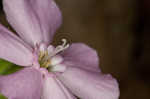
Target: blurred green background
<point>2,97</point>
<point>120,32</point>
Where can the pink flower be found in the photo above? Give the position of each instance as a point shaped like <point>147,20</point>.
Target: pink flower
<point>61,72</point>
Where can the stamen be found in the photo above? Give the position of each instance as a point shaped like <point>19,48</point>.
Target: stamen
<point>46,64</point>
<point>60,48</point>
<point>44,59</point>
<point>48,57</point>
<point>64,42</point>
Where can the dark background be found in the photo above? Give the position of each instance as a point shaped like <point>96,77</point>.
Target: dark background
<point>119,30</point>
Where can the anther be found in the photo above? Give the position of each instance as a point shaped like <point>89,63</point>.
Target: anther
<point>60,48</point>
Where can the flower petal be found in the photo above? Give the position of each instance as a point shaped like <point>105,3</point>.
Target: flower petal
<point>81,55</point>
<point>34,20</point>
<point>25,84</point>
<point>90,85</point>
<point>14,49</point>
<point>53,89</point>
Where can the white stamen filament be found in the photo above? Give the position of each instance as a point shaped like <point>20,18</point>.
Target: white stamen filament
<point>48,57</point>
<point>60,48</point>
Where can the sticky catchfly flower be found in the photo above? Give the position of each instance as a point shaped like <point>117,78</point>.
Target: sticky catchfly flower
<point>50,72</point>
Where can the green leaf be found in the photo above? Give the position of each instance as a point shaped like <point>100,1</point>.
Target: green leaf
<point>12,69</point>
<point>4,66</point>
<point>7,67</point>
<point>2,96</point>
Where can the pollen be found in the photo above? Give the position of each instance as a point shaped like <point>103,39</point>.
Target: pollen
<point>44,59</point>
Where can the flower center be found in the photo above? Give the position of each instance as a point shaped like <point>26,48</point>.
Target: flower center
<point>50,59</point>
<point>44,59</point>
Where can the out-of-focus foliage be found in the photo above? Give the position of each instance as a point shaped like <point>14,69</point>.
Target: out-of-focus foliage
<point>2,97</point>
<point>7,68</point>
<point>4,66</point>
